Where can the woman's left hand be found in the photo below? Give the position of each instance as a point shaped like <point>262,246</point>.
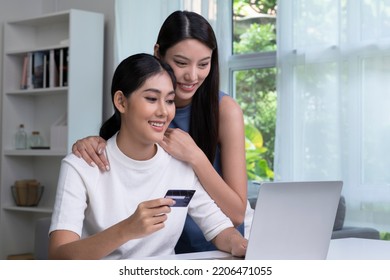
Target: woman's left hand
<point>179,144</point>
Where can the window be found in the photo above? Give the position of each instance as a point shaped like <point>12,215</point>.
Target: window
<point>252,68</point>
<point>333,90</point>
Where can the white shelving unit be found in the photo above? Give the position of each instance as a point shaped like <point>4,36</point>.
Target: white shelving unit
<point>82,33</point>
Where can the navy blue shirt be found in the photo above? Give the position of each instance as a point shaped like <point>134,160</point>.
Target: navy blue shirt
<point>192,239</point>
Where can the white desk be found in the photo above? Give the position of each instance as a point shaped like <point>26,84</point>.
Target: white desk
<point>358,249</point>
<point>339,249</point>
<point>212,255</point>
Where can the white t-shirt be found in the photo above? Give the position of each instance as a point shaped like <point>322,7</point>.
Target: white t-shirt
<point>89,201</point>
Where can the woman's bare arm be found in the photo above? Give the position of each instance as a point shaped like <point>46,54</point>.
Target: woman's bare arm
<point>148,218</point>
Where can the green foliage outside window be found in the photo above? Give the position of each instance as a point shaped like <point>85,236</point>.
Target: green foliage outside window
<point>256,165</point>
<point>385,235</point>
<point>256,88</point>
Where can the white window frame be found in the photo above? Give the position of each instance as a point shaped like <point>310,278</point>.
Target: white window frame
<point>228,61</point>
<point>261,60</point>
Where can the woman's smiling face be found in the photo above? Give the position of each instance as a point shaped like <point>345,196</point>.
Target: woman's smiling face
<point>191,61</point>
<point>149,110</point>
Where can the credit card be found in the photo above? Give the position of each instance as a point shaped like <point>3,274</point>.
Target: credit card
<point>182,197</point>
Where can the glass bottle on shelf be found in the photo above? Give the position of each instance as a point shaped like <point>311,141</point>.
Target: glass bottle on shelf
<point>21,138</point>
<point>35,140</point>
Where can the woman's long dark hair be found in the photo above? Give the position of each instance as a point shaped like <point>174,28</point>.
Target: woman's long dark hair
<point>181,25</point>
<point>130,75</point>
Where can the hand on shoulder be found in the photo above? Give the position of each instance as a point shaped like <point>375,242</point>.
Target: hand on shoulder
<point>91,149</point>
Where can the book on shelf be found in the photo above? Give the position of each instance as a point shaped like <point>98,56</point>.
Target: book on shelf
<point>23,82</point>
<point>61,67</point>
<point>64,68</point>
<point>53,68</point>
<point>27,68</point>
<point>38,65</point>
<point>45,69</point>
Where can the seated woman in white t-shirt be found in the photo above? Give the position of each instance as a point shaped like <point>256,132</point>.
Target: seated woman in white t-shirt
<point>131,218</point>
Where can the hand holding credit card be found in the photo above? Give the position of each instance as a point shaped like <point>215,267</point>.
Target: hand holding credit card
<point>182,197</point>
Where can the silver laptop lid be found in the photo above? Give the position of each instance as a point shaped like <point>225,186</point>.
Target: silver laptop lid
<point>293,220</point>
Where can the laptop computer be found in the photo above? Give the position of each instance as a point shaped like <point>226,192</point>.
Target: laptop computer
<point>293,220</point>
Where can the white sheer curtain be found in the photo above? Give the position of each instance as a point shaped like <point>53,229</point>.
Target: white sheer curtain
<point>137,24</point>
<point>334,97</point>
